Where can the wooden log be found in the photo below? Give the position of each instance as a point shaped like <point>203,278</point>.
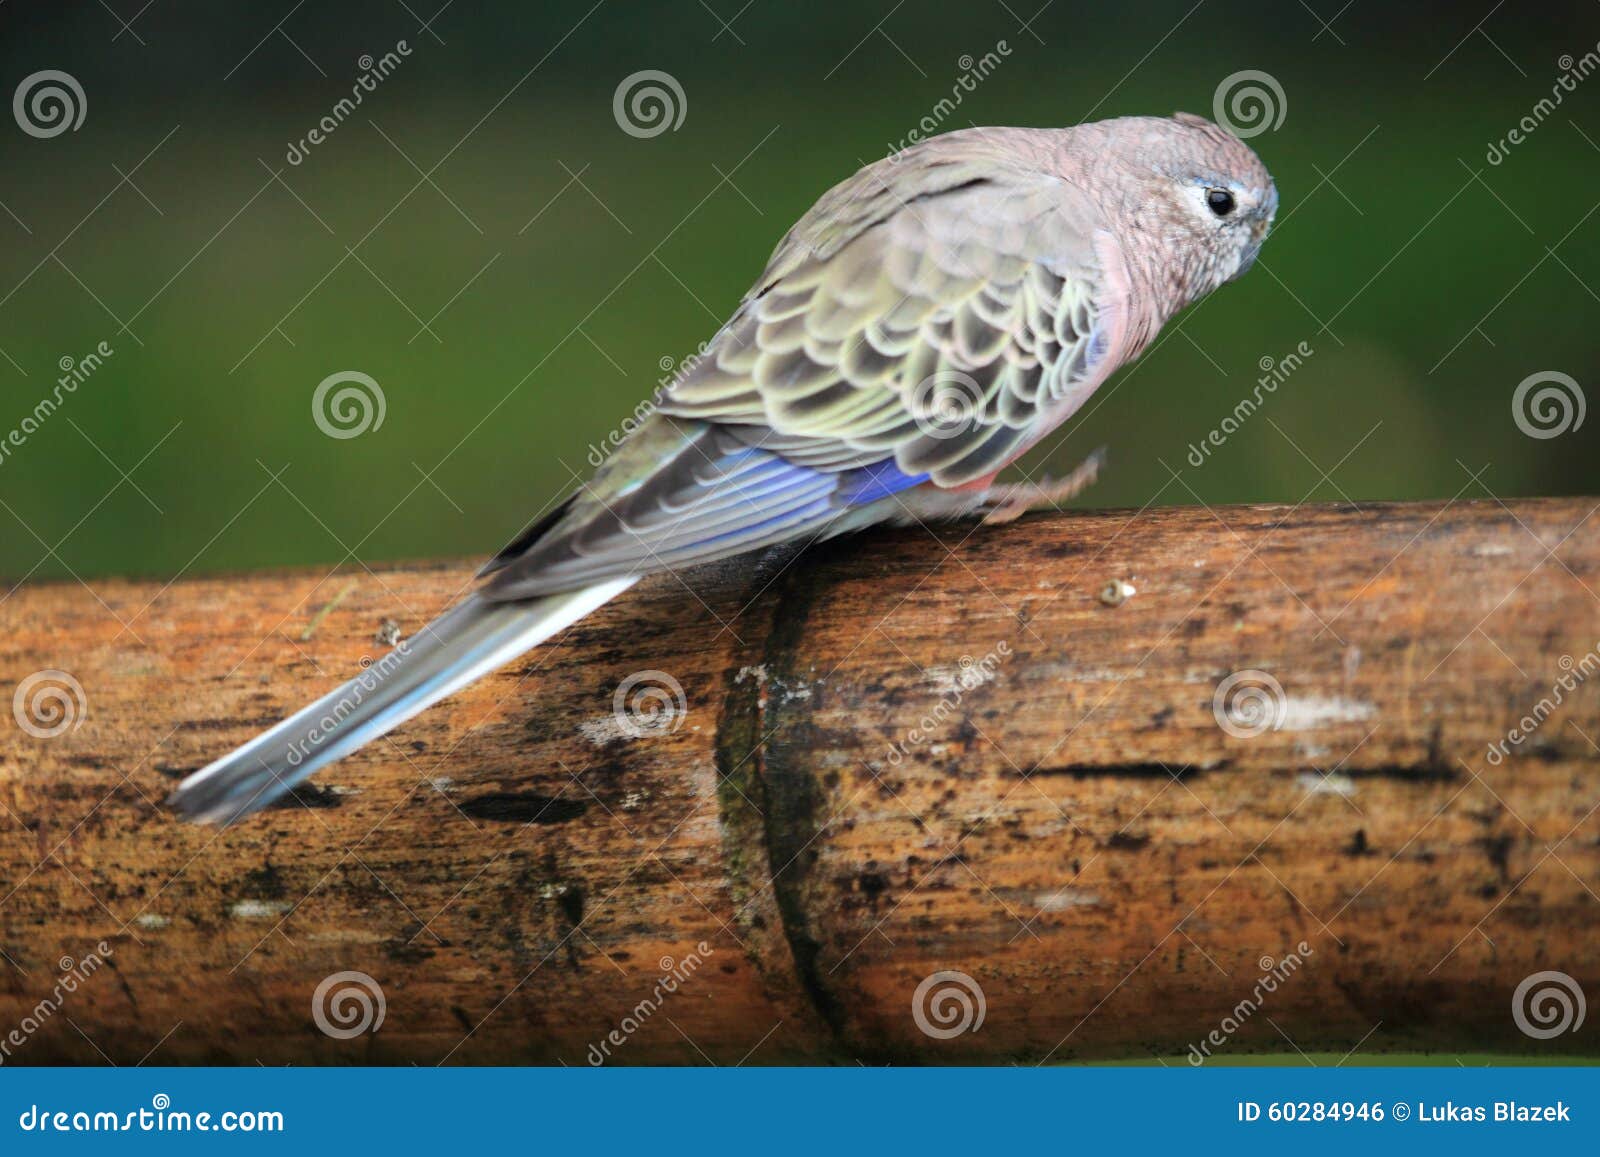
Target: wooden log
<point>1272,801</point>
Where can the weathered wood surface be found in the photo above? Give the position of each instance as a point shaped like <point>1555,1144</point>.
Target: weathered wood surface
<point>895,757</point>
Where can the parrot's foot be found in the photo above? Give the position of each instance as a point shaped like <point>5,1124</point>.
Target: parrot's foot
<point>1007,503</point>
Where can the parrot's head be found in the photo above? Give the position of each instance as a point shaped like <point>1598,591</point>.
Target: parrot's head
<point>1199,192</point>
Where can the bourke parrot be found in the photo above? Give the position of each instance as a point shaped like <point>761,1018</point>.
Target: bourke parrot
<point>929,320</point>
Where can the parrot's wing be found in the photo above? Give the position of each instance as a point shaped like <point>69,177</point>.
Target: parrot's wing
<point>931,318</point>
<point>923,322</point>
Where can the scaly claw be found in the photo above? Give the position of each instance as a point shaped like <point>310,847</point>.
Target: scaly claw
<point>1002,504</point>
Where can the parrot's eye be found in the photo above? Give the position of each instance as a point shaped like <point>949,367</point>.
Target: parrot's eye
<point>1219,201</point>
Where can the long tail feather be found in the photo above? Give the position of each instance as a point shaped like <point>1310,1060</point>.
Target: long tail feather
<point>461,645</point>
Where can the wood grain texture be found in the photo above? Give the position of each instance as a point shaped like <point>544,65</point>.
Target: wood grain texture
<point>895,756</point>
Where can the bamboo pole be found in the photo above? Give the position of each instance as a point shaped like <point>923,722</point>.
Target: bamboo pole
<point>748,812</point>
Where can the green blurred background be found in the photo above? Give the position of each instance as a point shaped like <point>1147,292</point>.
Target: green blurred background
<point>559,260</point>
